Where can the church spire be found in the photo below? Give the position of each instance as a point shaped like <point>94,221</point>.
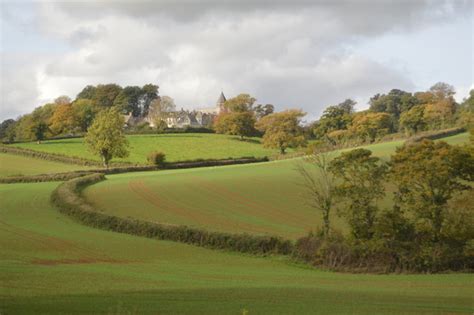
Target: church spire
<point>221,100</point>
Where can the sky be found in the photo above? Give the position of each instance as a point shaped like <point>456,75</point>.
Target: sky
<point>293,54</point>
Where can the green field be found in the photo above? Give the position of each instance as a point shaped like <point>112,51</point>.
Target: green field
<point>264,198</point>
<point>177,147</point>
<point>52,265</point>
<point>14,165</point>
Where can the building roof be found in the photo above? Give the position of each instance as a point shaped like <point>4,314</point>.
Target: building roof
<point>221,99</point>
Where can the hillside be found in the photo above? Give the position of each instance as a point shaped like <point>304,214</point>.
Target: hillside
<point>177,147</point>
<point>57,265</point>
<point>14,165</point>
<point>263,198</point>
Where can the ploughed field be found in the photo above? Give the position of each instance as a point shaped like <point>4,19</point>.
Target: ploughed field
<point>263,198</point>
<point>177,147</point>
<point>17,165</point>
<point>50,264</point>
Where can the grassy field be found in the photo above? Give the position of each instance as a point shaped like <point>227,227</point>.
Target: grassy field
<point>177,147</point>
<point>264,198</point>
<point>52,265</point>
<point>13,165</point>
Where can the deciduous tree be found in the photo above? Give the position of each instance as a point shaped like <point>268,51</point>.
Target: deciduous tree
<point>263,110</point>
<point>428,174</point>
<point>282,130</point>
<point>62,120</point>
<point>105,94</point>
<point>369,126</point>
<point>161,107</point>
<point>85,111</point>
<point>106,138</point>
<point>361,178</point>
<point>319,182</point>
<point>236,123</point>
<point>7,130</point>
<point>240,103</point>
<point>128,100</point>
<point>336,117</point>
<point>413,120</point>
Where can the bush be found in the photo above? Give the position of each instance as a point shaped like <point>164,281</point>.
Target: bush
<point>156,158</point>
<point>395,248</point>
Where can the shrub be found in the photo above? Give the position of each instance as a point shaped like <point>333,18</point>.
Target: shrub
<point>156,158</point>
<point>330,252</point>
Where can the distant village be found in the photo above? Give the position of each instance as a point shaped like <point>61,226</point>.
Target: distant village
<point>182,118</point>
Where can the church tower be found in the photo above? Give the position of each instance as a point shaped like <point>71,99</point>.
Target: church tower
<point>220,103</point>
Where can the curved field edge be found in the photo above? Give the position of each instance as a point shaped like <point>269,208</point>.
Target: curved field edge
<point>15,165</point>
<point>49,264</point>
<point>260,199</point>
<point>68,200</point>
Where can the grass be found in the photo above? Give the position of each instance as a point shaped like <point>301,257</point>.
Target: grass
<point>14,165</point>
<point>52,265</point>
<point>177,147</point>
<point>263,198</point>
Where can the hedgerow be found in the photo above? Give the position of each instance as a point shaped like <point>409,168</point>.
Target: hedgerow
<point>69,201</point>
<point>49,156</point>
<point>120,167</point>
<point>433,135</point>
<point>58,177</point>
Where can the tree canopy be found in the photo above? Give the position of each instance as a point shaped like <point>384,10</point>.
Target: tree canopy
<point>106,138</point>
<point>428,174</point>
<point>282,130</point>
<point>361,178</point>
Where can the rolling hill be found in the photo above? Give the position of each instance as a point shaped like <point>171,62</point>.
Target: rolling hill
<point>264,198</point>
<point>177,147</point>
<point>52,265</point>
<point>14,165</point>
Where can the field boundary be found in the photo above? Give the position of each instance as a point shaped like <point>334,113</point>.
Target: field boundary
<point>56,177</point>
<point>67,198</point>
<point>50,156</point>
<point>128,165</point>
<point>434,135</point>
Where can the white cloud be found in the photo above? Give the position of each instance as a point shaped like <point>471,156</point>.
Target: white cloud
<point>291,55</point>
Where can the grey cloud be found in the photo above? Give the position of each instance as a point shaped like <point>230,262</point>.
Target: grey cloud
<point>361,17</point>
<point>286,53</point>
<point>18,85</point>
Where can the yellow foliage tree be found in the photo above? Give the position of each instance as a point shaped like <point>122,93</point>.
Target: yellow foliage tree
<point>282,130</point>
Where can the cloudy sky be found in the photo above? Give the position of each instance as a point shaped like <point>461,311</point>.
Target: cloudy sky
<point>304,54</point>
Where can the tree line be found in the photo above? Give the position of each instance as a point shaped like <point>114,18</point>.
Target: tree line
<point>65,116</point>
<point>395,112</point>
<point>430,226</point>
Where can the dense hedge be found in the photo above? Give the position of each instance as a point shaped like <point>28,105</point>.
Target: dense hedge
<point>58,177</point>
<point>382,255</point>
<point>48,156</point>
<point>67,198</point>
<point>213,162</point>
<point>117,170</point>
<point>433,135</point>
<point>121,167</point>
<point>169,130</point>
<point>182,165</point>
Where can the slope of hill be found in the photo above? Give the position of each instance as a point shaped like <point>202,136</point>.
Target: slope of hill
<point>264,198</point>
<point>177,147</point>
<point>14,165</point>
<point>52,265</point>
